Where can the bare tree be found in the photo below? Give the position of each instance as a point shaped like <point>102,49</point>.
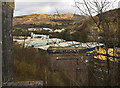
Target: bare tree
<point>91,8</point>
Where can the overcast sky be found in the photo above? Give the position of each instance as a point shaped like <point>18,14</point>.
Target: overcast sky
<point>23,7</point>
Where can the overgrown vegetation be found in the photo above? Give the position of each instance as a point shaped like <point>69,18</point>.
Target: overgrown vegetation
<point>111,17</point>
<point>32,65</point>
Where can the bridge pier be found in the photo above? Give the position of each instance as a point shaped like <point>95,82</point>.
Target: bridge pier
<point>6,50</point>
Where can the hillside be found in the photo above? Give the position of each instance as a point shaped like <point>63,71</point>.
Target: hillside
<point>45,19</point>
<point>87,23</point>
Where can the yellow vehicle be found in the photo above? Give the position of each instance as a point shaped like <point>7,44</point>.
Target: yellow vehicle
<point>110,53</point>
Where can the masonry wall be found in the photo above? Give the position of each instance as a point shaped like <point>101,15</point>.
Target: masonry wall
<point>7,59</point>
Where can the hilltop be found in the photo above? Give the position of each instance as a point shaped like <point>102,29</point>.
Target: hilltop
<point>42,20</point>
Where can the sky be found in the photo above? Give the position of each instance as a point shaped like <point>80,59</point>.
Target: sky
<point>26,7</point>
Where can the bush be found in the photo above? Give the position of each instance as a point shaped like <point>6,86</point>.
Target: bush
<point>30,65</point>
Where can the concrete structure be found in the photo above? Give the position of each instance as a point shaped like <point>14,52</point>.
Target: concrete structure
<point>7,58</point>
<point>67,50</point>
<point>6,52</point>
<point>24,84</point>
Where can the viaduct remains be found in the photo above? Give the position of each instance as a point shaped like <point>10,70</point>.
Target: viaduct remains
<point>7,58</point>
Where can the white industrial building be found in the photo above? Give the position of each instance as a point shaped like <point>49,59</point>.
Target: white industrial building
<point>39,36</point>
<point>40,29</point>
<point>59,30</point>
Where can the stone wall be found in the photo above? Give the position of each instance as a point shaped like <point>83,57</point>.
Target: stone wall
<point>7,59</point>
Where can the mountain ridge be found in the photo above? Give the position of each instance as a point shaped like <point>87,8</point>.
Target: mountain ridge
<point>46,18</point>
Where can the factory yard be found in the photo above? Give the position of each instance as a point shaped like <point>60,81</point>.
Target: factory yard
<point>43,42</point>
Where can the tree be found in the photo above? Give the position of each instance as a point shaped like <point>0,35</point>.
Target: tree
<point>92,7</point>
